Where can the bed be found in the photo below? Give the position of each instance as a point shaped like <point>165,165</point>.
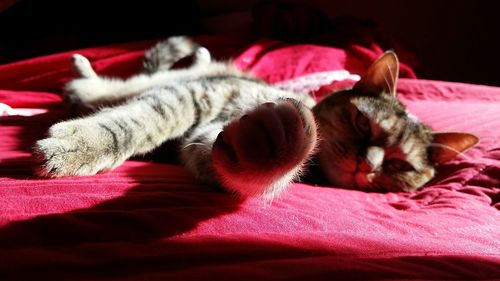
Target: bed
<point>150,220</point>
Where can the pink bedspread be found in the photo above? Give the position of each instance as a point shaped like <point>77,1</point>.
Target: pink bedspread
<point>152,221</point>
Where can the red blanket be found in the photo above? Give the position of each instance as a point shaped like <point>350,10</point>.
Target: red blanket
<point>152,221</point>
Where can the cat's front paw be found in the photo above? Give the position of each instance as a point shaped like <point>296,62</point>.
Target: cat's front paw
<point>70,150</point>
<point>263,151</point>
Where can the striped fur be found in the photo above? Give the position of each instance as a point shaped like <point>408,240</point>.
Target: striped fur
<point>193,104</point>
<point>235,130</point>
<point>164,55</point>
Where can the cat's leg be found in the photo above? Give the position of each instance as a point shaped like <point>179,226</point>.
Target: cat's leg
<point>93,91</point>
<point>104,140</point>
<point>82,68</point>
<point>165,54</point>
<point>261,153</point>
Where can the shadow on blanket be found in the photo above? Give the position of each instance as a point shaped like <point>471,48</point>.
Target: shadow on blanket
<point>144,212</point>
<point>151,231</point>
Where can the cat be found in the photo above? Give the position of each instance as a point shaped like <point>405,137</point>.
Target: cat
<point>242,134</point>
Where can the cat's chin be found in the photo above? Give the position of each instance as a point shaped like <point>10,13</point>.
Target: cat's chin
<point>341,179</point>
<point>350,180</point>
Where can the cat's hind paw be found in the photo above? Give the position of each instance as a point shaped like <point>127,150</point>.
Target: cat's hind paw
<point>261,153</point>
<point>202,57</point>
<point>87,89</point>
<point>82,67</point>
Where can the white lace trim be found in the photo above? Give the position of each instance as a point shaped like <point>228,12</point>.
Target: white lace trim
<point>312,82</point>
<point>6,110</point>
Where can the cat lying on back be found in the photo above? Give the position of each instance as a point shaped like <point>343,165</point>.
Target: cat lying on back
<point>243,134</point>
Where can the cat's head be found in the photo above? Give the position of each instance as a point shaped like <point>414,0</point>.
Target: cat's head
<point>369,141</point>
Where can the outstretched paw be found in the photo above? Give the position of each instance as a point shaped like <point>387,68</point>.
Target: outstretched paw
<point>263,151</point>
<point>67,151</point>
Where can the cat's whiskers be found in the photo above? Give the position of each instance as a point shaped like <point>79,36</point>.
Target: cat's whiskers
<point>451,149</point>
<point>193,143</point>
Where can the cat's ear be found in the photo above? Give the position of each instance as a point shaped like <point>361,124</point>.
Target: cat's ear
<point>382,75</point>
<point>446,145</point>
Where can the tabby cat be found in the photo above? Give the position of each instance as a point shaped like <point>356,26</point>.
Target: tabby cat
<point>243,134</point>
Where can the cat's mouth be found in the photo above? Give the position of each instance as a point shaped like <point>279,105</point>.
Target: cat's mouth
<point>353,179</point>
<point>361,180</point>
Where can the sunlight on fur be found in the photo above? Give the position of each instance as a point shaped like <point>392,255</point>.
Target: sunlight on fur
<point>243,134</point>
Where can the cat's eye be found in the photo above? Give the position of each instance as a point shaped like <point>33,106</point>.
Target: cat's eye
<point>398,165</point>
<point>362,124</point>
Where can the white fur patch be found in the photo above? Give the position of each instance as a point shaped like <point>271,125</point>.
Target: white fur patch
<point>202,57</point>
<point>387,123</point>
<point>375,156</point>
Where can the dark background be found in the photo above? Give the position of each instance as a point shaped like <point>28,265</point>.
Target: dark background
<point>451,40</point>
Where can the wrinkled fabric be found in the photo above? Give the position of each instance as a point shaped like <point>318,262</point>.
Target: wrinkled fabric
<point>153,221</point>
